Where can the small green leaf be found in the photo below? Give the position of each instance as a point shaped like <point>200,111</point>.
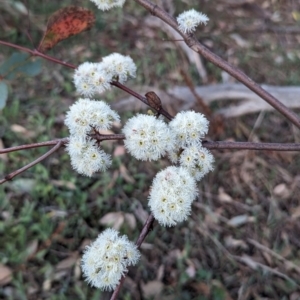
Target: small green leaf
<point>20,64</point>
<point>15,60</point>
<point>31,68</point>
<point>3,94</point>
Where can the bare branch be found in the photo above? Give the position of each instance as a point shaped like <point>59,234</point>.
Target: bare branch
<point>220,145</point>
<point>251,146</point>
<point>254,265</point>
<point>276,255</point>
<point>146,229</point>
<point>37,53</point>
<point>193,43</point>
<point>248,261</point>
<point>35,145</point>
<point>55,60</point>
<point>17,172</point>
<point>141,98</point>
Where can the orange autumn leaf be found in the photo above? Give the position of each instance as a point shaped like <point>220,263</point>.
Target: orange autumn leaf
<point>64,23</point>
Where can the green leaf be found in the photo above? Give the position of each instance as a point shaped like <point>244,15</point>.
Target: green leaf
<point>31,68</point>
<point>3,94</point>
<point>20,64</point>
<point>15,60</point>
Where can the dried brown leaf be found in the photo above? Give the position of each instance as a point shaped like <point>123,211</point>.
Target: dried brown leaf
<point>5,275</point>
<point>296,212</point>
<point>152,288</point>
<point>32,248</point>
<point>119,151</point>
<point>64,183</point>
<point>240,220</point>
<point>281,190</point>
<point>223,197</point>
<point>114,219</point>
<point>23,131</point>
<point>64,23</point>
<point>67,262</point>
<point>125,175</point>
<point>130,220</point>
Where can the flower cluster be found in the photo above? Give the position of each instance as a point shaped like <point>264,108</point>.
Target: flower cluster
<point>197,160</point>
<point>86,156</point>
<point>173,191</point>
<point>120,67</point>
<point>189,128</point>
<point>91,78</point>
<point>108,4</point>
<point>107,258</point>
<point>148,138</point>
<point>84,117</point>
<point>189,20</point>
<point>87,116</point>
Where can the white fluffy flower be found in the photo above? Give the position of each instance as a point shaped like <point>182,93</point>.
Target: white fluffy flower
<point>174,156</point>
<point>86,114</point>
<point>172,193</point>
<point>106,259</point>
<point>147,138</point>
<point>90,78</point>
<point>77,118</point>
<point>189,127</point>
<point>197,160</point>
<point>189,20</point>
<point>108,4</point>
<point>86,157</point>
<point>119,66</point>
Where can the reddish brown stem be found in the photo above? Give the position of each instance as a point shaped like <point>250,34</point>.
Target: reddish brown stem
<point>129,91</point>
<point>140,97</point>
<point>193,43</point>
<point>251,146</point>
<point>145,231</point>
<point>17,172</point>
<point>221,145</point>
<point>107,137</point>
<point>40,54</point>
<point>35,145</point>
<point>35,52</point>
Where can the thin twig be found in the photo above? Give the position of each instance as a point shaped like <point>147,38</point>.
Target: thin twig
<point>146,229</point>
<point>193,43</point>
<point>34,145</point>
<point>141,98</point>
<point>17,172</point>
<point>251,146</point>
<point>276,255</point>
<point>254,265</point>
<point>220,145</point>
<point>27,31</point>
<point>38,53</point>
<point>205,109</point>
<point>35,52</point>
